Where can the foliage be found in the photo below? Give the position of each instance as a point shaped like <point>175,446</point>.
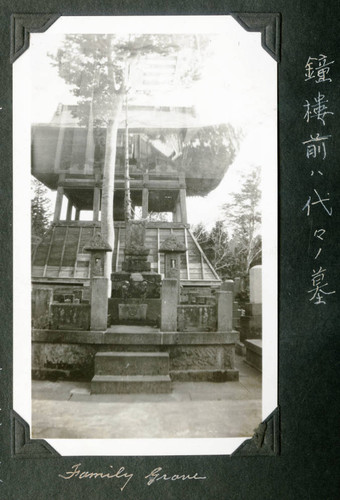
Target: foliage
<point>40,209</point>
<point>234,244</point>
<point>214,146</point>
<point>215,244</point>
<point>243,218</point>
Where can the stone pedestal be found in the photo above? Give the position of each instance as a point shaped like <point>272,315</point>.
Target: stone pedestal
<point>224,311</point>
<point>169,302</point>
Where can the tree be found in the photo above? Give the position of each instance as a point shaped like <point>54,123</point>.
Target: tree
<point>40,209</point>
<point>102,70</point>
<point>217,247</point>
<point>243,220</point>
<point>234,244</point>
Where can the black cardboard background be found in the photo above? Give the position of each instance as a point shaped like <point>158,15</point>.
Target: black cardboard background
<point>308,334</point>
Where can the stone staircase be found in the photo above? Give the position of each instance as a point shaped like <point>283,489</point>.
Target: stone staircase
<point>131,373</point>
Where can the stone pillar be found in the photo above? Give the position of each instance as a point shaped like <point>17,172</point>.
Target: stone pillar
<point>99,285</point>
<point>96,204</point>
<point>255,285</point>
<point>228,286</point>
<point>169,296</point>
<point>224,311</point>
<point>58,204</point>
<point>99,303</point>
<point>69,210</point>
<point>251,323</point>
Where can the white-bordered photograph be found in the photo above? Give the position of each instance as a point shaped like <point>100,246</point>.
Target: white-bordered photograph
<point>145,200</point>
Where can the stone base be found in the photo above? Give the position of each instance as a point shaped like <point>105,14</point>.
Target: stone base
<point>240,349</point>
<point>254,353</point>
<point>70,355</point>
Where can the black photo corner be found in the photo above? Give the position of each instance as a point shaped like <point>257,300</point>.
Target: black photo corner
<point>166,298</point>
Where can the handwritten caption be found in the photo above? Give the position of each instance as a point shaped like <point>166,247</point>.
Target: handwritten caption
<point>153,477</point>
<point>317,112</point>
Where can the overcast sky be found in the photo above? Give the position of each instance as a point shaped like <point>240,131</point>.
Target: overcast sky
<point>238,87</point>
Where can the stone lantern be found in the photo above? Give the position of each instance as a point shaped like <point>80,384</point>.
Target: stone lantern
<point>172,249</point>
<point>99,285</point>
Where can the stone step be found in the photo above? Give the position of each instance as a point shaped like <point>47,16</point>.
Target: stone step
<point>130,384</point>
<point>131,363</point>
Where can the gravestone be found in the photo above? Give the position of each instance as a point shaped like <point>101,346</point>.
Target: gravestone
<point>255,285</point>
<point>251,323</point>
<point>135,297</point>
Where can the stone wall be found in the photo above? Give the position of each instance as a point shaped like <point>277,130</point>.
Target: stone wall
<point>41,300</point>
<point>70,316</point>
<point>193,356</point>
<point>199,318</point>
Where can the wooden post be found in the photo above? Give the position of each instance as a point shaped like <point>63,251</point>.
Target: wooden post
<point>183,203</point>
<point>58,204</point>
<point>69,210</point>
<point>77,215</point>
<point>145,203</point>
<point>127,193</point>
<point>145,196</point>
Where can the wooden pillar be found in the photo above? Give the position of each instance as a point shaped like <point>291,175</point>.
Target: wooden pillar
<point>58,204</point>
<point>96,204</point>
<point>77,215</point>
<point>183,204</point>
<point>69,210</point>
<point>145,203</point>
<point>145,197</point>
<point>177,212</point>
